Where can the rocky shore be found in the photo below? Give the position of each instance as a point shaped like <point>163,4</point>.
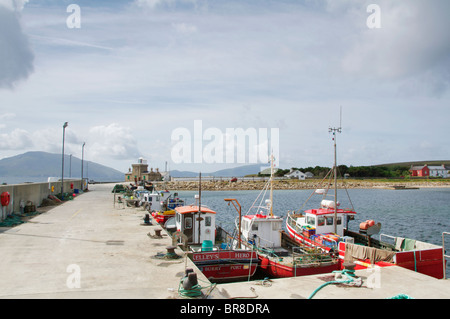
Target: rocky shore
<point>301,184</point>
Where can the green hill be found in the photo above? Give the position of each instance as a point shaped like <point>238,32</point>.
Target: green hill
<point>415,163</point>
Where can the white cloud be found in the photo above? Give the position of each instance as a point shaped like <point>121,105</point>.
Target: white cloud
<point>16,140</point>
<point>114,141</point>
<point>412,44</point>
<point>7,116</point>
<point>166,3</point>
<point>13,5</point>
<point>184,28</point>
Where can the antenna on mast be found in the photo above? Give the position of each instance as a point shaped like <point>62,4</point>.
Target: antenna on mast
<point>334,130</point>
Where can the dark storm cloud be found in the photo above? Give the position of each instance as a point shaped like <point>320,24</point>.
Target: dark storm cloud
<point>16,56</point>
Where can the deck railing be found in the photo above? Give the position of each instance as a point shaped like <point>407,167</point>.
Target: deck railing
<point>444,256</point>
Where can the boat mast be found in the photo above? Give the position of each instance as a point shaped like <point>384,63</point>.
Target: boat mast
<point>334,130</point>
<point>271,184</point>
<point>199,218</point>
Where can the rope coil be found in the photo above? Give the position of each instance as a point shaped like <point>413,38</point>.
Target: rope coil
<point>350,276</point>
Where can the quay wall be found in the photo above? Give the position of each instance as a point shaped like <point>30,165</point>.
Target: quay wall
<point>34,192</point>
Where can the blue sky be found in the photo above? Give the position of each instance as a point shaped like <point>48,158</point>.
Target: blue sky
<point>137,70</point>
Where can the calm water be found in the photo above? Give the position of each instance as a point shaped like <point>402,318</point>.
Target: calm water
<point>421,214</point>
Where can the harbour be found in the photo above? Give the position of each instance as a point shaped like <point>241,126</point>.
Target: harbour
<point>92,248</point>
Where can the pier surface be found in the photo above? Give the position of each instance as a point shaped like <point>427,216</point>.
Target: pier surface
<point>92,248</point>
<point>87,248</point>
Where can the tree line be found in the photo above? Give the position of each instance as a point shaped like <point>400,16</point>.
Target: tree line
<point>354,171</point>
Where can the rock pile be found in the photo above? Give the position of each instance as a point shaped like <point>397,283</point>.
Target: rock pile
<point>296,184</point>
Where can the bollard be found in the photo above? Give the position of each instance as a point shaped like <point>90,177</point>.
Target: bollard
<point>147,220</point>
<point>190,281</point>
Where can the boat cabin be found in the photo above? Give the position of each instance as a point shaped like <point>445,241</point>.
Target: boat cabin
<point>159,201</point>
<point>198,224</point>
<point>322,220</point>
<point>154,199</point>
<point>262,230</point>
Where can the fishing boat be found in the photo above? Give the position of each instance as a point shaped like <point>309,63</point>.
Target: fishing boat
<point>208,249</point>
<point>209,246</point>
<point>326,227</point>
<point>160,204</point>
<point>280,256</point>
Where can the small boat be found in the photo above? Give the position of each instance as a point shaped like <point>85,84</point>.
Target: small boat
<point>326,227</point>
<point>207,246</point>
<point>160,204</point>
<point>279,256</point>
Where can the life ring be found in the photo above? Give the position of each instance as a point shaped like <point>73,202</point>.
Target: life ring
<point>5,198</point>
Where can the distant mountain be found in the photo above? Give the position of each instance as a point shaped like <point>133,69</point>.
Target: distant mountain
<point>176,173</point>
<point>38,166</point>
<point>239,171</point>
<point>229,172</point>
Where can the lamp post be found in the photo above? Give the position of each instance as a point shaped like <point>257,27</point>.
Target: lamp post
<point>82,164</point>
<point>62,171</point>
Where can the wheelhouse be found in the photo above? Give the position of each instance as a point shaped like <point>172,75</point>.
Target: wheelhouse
<point>262,230</point>
<point>198,224</point>
<point>326,219</point>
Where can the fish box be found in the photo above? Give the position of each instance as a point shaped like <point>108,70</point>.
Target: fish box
<point>309,232</point>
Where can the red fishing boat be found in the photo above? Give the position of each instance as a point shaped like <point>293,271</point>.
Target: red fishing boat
<point>221,265</point>
<point>197,232</point>
<point>327,226</point>
<point>279,255</point>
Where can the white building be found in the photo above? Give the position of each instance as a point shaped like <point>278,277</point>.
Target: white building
<point>296,174</point>
<point>439,171</point>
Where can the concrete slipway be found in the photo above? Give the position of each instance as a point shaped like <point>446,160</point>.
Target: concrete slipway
<point>87,248</point>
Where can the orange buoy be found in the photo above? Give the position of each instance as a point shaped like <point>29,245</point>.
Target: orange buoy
<point>364,225</point>
<point>371,223</point>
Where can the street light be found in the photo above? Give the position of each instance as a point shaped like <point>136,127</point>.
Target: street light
<point>82,159</point>
<point>62,172</point>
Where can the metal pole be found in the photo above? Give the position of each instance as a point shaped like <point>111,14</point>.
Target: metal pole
<point>271,184</point>
<point>232,200</point>
<point>62,171</point>
<point>444,256</point>
<point>199,205</point>
<point>334,130</point>
<point>335,186</point>
<point>82,164</point>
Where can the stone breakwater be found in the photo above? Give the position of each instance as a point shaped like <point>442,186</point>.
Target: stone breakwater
<point>299,184</point>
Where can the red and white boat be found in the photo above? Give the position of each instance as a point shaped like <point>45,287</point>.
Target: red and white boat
<point>279,256</point>
<point>197,232</point>
<point>327,226</point>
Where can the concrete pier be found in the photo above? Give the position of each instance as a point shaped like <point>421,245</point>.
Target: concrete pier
<point>90,248</point>
<point>86,248</point>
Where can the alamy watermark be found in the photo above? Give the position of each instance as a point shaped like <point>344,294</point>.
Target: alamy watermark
<point>234,145</point>
<point>374,20</point>
<point>73,21</point>
<point>74,279</point>
<point>374,278</point>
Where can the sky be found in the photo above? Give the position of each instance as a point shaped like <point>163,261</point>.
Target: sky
<point>128,76</point>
